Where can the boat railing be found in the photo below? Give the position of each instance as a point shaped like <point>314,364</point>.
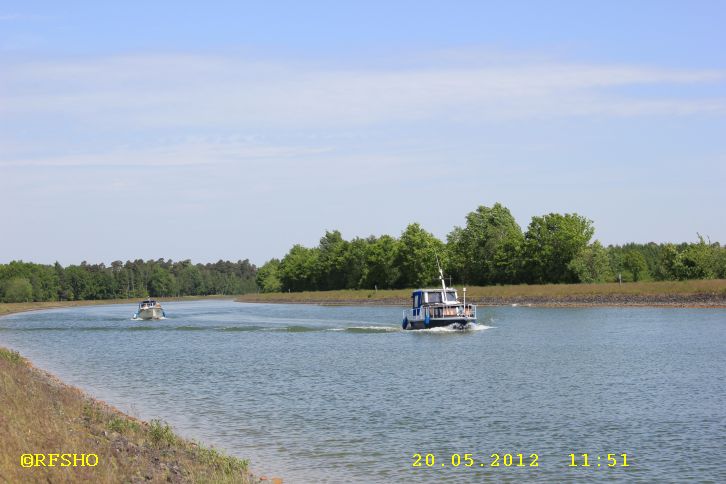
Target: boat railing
<point>417,314</point>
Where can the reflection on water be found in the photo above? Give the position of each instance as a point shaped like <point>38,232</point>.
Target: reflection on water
<point>343,394</point>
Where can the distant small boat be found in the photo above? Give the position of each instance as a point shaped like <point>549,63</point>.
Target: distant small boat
<point>434,308</point>
<point>149,309</point>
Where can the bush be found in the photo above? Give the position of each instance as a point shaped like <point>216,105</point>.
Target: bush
<point>591,264</point>
<point>10,355</point>
<point>160,432</point>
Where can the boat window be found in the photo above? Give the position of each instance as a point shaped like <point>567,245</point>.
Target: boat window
<point>417,300</point>
<point>451,296</point>
<point>434,297</point>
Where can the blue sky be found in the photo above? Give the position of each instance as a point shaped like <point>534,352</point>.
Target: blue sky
<point>230,130</point>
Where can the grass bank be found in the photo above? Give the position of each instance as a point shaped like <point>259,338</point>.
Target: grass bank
<point>41,415</point>
<point>701,293</point>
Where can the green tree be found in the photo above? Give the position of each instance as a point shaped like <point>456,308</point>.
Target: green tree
<point>298,269</point>
<point>17,289</point>
<point>268,276</point>
<point>190,280</point>
<point>132,279</point>
<point>666,269</point>
<point>693,261</point>
<point>80,285</point>
<point>161,283</point>
<point>550,244</point>
<point>354,261</point>
<point>719,261</point>
<point>416,257</point>
<point>634,262</point>
<point>380,269</point>
<point>487,250</point>
<point>332,262</point>
<point>592,264</point>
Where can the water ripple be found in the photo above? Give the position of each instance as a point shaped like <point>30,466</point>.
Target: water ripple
<point>342,394</point>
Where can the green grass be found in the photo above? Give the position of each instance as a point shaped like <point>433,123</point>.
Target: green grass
<point>11,356</point>
<point>122,425</point>
<point>227,464</point>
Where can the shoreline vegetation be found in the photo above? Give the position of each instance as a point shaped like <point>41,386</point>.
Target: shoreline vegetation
<point>710,293</point>
<point>27,281</point>
<point>42,415</point>
<point>490,249</point>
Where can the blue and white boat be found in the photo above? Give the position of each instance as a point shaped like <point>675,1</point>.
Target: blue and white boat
<point>434,308</point>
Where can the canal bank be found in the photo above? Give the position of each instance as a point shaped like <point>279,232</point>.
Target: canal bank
<point>54,432</point>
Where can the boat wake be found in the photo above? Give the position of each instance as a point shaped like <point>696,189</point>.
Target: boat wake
<point>455,328</point>
<point>362,329</point>
<point>368,329</point>
<point>140,319</point>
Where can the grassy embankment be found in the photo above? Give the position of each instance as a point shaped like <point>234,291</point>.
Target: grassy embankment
<point>701,293</point>
<point>41,415</point>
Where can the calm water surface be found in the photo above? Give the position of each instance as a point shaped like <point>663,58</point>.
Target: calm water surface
<point>330,394</point>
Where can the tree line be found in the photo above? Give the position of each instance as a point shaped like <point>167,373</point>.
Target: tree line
<point>490,249</point>
<point>26,281</point>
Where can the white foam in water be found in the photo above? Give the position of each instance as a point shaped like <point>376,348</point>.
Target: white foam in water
<point>442,329</point>
<point>455,329</point>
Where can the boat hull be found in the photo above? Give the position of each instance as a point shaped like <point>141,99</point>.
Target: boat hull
<point>150,313</point>
<point>437,323</point>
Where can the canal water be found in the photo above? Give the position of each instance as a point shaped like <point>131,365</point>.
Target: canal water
<point>342,394</point>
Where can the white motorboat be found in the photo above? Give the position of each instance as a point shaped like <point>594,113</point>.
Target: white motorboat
<point>149,309</point>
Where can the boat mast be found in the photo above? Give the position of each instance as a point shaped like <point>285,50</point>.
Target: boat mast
<point>441,277</point>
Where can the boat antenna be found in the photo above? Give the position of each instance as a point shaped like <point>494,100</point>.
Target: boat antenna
<point>441,273</point>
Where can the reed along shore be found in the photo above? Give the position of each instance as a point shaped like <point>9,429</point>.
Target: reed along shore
<point>53,432</point>
<point>695,293</point>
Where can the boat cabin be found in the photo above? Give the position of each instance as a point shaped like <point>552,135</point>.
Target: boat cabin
<point>425,297</point>
<point>148,303</point>
<point>439,303</point>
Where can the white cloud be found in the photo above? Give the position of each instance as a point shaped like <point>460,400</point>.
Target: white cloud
<point>190,152</point>
<point>153,91</point>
